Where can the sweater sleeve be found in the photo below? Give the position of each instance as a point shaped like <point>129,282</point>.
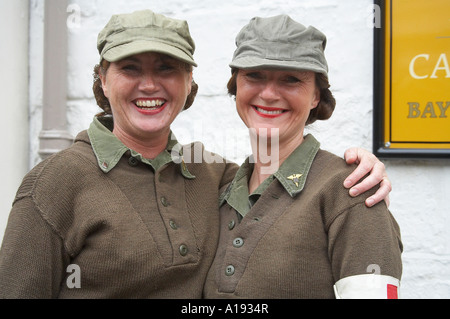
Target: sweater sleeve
<point>31,257</point>
<point>365,252</point>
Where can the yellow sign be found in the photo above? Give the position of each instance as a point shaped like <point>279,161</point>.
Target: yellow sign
<point>417,74</point>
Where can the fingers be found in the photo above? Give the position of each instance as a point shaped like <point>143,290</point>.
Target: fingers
<point>368,164</point>
<point>351,155</point>
<point>376,170</point>
<point>381,194</point>
<point>369,182</point>
<point>387,200</point>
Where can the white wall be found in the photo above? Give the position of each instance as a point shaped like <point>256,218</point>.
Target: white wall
<point>14,94</point>
<point>419,200</point>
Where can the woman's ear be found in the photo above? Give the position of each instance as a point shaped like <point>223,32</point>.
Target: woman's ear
<point>191,80</point>
<point>102,77</point>
<point>316,99</point>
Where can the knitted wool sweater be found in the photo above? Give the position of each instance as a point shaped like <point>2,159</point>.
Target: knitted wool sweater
<point>300,244</point>
<point>77,232</point>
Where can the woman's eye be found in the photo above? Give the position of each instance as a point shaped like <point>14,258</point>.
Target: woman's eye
<point>165,67</point>
<point>254,76</point>
<point>130,67</point>
<point>292,79</point>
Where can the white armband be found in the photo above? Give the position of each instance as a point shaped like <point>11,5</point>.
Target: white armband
<point>367,286</point>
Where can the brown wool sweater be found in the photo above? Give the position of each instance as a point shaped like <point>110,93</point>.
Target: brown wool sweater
<point>299,247</point>
<point>132,232</point>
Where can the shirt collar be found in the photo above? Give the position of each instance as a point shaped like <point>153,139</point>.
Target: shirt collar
<point>109,149</point>
<point>237,193</point>
<point>292,175</point>
<point>293,172</point>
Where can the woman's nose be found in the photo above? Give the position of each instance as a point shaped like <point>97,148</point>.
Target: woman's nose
<point>269,92</point>
<point>148,82</point>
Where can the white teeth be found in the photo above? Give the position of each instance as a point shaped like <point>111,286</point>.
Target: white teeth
<point>269,112</point>
<point>150,103</point>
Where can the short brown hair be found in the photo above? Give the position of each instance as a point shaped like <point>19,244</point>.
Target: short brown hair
<point>102,100</point>
<point>324,109</point>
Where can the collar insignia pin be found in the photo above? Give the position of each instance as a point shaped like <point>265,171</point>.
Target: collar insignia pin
<point>295,178</point>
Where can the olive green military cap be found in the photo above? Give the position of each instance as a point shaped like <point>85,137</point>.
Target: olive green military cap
<point>145,31</point>
<point>280,42</point>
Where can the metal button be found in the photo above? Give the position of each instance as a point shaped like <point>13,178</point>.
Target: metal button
<point>183,250</point>
<point>173,225</point>
<point>238,242</point>
<point>133,161</point>
<point>164,201</point>
<point>229,270</point>
<point>231,224</point>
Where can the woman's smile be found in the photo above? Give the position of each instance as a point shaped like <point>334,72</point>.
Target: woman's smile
<point>150,106</point>
<point>268,112</point>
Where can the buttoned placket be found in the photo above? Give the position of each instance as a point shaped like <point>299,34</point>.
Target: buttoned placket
<point>233,233</point>
<point>170,194</point>
<point>170,201</point>
<point>239,239</point>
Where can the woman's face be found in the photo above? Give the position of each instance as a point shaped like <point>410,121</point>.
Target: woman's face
<point>146,93</point>
<point>279,99</point>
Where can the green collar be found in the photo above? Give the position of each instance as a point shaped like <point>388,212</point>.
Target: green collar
<point>293,172</point>
<point>109,149</point>
<point>292,175</point>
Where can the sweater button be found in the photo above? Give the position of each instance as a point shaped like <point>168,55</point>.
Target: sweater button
<point>173,225</point>
<point>164,201</point>
<point>183,250</point>
<point>238,242</point>
<point>229,270</point>
<point>133,161</point>
<point>231,224</point>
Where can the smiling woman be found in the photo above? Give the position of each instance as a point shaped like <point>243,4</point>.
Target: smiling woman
<point>291,231</point>
<point>120,206</point>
